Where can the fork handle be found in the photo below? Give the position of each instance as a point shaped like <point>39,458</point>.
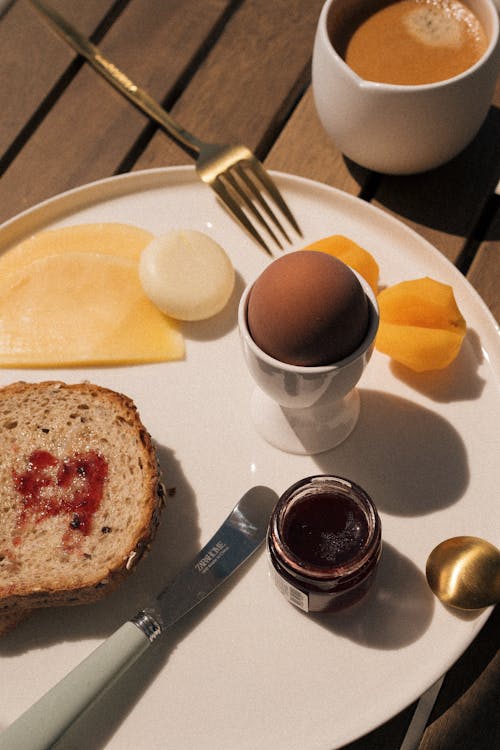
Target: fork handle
<point>118,79</point>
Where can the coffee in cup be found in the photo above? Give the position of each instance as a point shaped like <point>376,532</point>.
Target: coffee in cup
<point>412,42</point>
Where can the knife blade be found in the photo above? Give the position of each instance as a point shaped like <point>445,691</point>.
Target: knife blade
<point>423,710</point>
<point>237,539</point>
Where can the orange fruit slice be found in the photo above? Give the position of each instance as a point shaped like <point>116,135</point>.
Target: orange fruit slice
<point>420,324</point>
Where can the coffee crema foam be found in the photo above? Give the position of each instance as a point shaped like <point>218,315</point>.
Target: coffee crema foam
<point>430,25</point>
<point>412,42</point>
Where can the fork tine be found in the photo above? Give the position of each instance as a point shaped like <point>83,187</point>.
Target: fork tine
<point>257,194</point>
<point>247,201</point>
<point>271,188</point>
<point>238,214</point>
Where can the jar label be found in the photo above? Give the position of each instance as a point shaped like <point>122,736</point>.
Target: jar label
<point>294,596</point>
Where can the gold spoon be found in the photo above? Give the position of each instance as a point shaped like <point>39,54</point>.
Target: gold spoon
<point>464,572</point>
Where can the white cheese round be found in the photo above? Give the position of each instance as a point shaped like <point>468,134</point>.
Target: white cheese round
<point>186,274</point>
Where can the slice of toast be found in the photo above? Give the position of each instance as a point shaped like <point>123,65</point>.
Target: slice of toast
<point>80,494</point>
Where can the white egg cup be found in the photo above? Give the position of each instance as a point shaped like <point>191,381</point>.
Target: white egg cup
<point>306,410</point>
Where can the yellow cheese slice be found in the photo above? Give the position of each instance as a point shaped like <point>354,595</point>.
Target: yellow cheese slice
<point>81,308</point>
<point>124,240</point>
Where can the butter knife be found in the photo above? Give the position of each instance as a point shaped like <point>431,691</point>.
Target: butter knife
<point>240,536</point>
<point>423,710</point>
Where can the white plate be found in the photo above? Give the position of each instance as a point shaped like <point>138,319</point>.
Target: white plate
<point>248,670</point>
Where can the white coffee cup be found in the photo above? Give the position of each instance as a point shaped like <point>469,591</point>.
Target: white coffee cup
<point>399,129</point>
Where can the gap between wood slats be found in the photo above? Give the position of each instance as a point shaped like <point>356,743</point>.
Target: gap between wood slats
<point>181,84</point>
<point>71,71</point>
<point>479,233</point>
<point>59,87</point>
<point>281,118</point>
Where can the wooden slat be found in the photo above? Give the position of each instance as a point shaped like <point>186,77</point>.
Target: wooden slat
<point>91,128</point>
<point>466,711</point>
<point>44,59</point>
<point>472,722</point>
<point>389,735</point>
<point>484,273</point>
<point>254,61</point>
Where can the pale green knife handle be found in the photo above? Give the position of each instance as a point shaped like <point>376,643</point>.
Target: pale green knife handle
<point>47,720</point>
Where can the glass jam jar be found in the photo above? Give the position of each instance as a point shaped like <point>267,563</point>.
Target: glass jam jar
<point>324,543</point>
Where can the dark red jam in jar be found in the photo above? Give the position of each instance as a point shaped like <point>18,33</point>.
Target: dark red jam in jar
<point>324,543</point>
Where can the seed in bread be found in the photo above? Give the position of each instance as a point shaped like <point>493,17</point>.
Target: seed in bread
<point>80,493</point>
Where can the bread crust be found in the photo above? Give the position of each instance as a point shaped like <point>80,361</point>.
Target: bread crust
<point>44,561</point>
<point>11,619</point>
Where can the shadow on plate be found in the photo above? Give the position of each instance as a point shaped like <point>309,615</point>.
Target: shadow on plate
<point>459,381</point>
<point>222,323</point>
<point>410,460</point>
<point>176,542</point>
<point>99,723</point>
<point>396,611</point>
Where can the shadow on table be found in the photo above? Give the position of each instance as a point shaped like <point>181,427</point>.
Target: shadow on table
<point>423,198</point>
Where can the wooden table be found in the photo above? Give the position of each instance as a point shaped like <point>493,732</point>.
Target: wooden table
<point>240,70</point>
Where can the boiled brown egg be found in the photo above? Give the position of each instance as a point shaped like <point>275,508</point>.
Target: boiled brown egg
<point>308,308</point>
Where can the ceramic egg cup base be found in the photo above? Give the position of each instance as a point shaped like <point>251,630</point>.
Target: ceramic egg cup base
<point>306,431</point>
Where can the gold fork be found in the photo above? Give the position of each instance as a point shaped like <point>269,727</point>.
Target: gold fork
<point>232,171</point>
